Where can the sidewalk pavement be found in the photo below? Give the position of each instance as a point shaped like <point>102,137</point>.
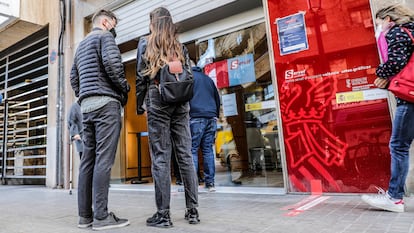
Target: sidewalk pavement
<point>27,209</point>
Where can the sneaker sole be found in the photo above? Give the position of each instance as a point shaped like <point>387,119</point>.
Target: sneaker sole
<point>194,221</point>
<point>398,210</point>
<point>83,226</point>
<point>110,226</point>
<point>162,225</point>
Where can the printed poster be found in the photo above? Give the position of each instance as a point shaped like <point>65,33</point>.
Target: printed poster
<point>232,72</point>
<point>229,105</point>
<point>292,34</point>
<point>219,71</point>
<point>241,70</point>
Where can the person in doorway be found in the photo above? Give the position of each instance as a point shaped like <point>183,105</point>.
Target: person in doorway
<point>75,127</point>
<point>98,79</point>
<point>400,48</point>
<point>204,112</point>
<point>166,121</point>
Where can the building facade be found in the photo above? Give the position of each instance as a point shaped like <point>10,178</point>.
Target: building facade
<point>277,129</point>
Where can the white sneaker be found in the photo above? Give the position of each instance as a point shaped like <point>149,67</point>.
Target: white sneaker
<point>383,201</point>
<point>211,189</point>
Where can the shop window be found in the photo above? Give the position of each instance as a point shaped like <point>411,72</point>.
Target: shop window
<point>356,17</point>
<point>247,139</point>
<point>361,16</point>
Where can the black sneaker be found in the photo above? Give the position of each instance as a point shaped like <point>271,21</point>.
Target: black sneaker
<point>85,222</point>
<point>236,182</point>
<point>110,222</point>
<point>192,216</point>
<point>200,180</point>
<point>162,220</point>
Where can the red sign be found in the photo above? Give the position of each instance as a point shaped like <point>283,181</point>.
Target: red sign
<point>346,148</point>
<point>218,70</point>
<point>232,72</point>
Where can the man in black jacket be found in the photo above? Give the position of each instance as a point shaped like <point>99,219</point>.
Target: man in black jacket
<point>98,79</point>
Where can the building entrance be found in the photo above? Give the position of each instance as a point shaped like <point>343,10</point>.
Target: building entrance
<point>336,123</point>
<point>24,86</point>
<point>247,142</point>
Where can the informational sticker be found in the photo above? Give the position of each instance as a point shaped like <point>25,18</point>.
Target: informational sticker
<point>229,105</point>
<point>347,97</point>
<point>232,72</point>
<point>356,96</point>
<point>292,33</point>
<point>53,56</point>
<point>241,70</point>
<point>260,105</point>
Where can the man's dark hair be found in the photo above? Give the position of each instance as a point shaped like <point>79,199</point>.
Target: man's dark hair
<point>106,13</point>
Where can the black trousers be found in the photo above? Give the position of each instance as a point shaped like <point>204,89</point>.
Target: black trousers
<point>100,137</point>
<point>169,124</point>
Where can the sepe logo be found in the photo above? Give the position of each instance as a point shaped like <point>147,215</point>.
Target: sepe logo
<point>234,64</point>
<point>290,74</point>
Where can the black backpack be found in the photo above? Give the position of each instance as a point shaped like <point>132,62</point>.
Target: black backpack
<point>176,83</point>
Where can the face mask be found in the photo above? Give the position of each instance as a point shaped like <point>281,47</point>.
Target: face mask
<point>113,32</point>
<point>378,31</point>
<point>382,43</point>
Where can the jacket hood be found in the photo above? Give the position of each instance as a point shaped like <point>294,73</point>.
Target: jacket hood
<point>196,68</point>
<point>409,26</point>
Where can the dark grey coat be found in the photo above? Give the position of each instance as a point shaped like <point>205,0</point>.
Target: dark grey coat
<point>97,68</point>
<point>75,124</point>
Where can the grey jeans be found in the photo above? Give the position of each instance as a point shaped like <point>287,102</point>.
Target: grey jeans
<point>166,123</point>
<point>100,137</point>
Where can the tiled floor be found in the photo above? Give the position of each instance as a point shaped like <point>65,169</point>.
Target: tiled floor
<point>25,209</point>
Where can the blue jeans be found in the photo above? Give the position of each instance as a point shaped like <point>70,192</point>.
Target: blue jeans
<point>167,124</point>
<point>100,137</point>
<point>401,138</point>
<point>203,133</point>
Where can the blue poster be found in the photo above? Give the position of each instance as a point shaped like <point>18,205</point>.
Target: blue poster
<point>292,34</point>
<point>241,70</point>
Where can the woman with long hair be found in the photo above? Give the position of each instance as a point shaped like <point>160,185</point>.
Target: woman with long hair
<point>167,122</point>
<point>391,21</point>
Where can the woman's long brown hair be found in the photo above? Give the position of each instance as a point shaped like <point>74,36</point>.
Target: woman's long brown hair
<point>163,44</point>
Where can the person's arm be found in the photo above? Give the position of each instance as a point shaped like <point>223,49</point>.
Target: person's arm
<point>187,64</point>
<point>141,81</point>
<point>112,61</point>
<point>74,78</point>
<point>217,97</point>
<point>72,118</point>
<point>399,51</point>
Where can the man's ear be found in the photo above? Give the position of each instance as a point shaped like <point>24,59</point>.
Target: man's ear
<point>103,22</point>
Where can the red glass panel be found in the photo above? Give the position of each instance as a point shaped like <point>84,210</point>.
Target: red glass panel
<point>336,124</point>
